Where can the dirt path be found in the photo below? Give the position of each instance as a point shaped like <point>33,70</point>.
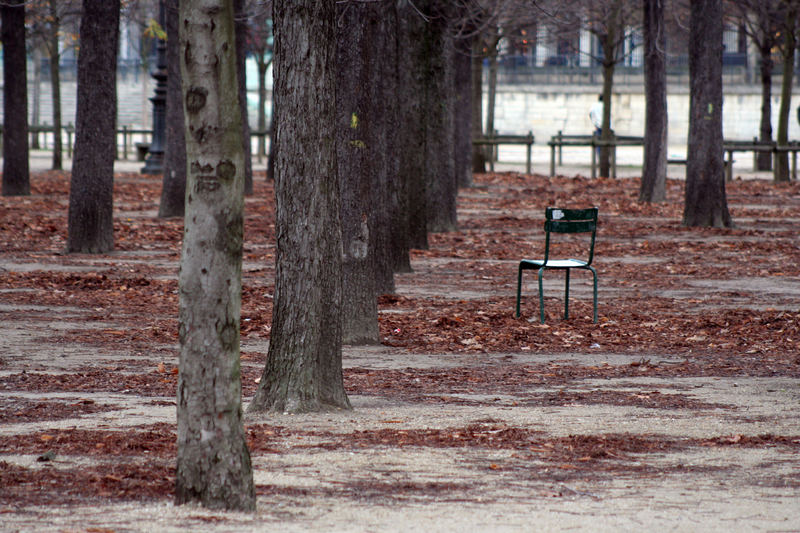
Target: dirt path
<point>677,412</point>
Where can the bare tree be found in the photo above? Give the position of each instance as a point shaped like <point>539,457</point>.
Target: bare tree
<point>54,27</point>
<point>304,364</point>
<point>654,171</point>
<point>173,188</point>
<point>16,175</point>
<point>705,203</point>
<point>789,11</point>
<point>90,227</point>
<point>761,20</point>
<point>213,465</point>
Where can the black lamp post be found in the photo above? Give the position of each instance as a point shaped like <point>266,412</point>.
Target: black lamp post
<point>155,158</point>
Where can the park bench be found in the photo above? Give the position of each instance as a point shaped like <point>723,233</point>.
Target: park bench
<point>558,141</point>
<point>496,140</point>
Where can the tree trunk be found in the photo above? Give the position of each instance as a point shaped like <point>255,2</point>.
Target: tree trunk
<point>788,50</point>
<point>440,175</point>
<point>606,134</point>
<point>654,171</point>
<point>241,74</point>
<point>764,159</point>
<point>462,110</point>
<point>706,204</point>
<point>173,190</point>
<point>213,466</point>
<point>412,70</point>
<point>55,83</point>
<point>361,145</point>
<point>90,220</point>
<point>36,105</point>
<point>16,175</point>
<point>491,96</point>
<point>478,152</point>
<point>304,364</point>
<point>262,101</point>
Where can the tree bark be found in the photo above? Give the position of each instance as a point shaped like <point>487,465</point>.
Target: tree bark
<point>478,152</point>
<point>788,52</point>
<point>764,159</point>
<point>361,144</point>
<point>241,74</point>
<point>304,364</point>
<point>16,174</point>
<point>412,130</point>
<point>90,219</point>
<point>213,466</point>
<point>462,112</point>
<point>55,83</point>
<point>706,204</point>
<point>173,189</point>
<point>654,171</point>
<point>440,176</point>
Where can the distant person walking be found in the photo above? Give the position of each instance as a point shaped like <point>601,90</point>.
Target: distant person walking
<point>596,116</point>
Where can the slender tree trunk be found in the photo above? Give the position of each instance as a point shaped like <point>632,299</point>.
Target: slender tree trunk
<point>213,466</point>
<point>304,364</point>
<point>173,190</point>
<point>55,83</point>
<point>654,172</point>
<point>706,203</point>
<point>36,105</point>
<point>764,159</point>
<point>262,101</point>
<point>478,152</point>
<point>789,46</point>
<point>16,175</point>
<point>241,74</point>
<point>90,220</point>
<point>463,113</point>
<point>491,96</point>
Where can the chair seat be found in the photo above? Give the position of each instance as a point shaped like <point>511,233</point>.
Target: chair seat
<point>560,263</point>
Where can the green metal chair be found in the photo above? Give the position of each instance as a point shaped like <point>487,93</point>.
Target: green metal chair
<point>562,221</point>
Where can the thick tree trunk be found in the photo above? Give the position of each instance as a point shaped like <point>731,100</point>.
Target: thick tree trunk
<point>764,159</point>
<point>361,148</point>
<point>706,203</point>
<point>491,89</point>
<point>55,83</point>
<point>462,113</point>
<point>478,152</point>
<point>782,135</point>
<point>213,466</point>
<point>606,134</point>
<point>90,220</point>
<point>654,172</point>
<point>412,70</point>
<point>173,189</point>
<point>304,364</point>
<point>440,175</point>
<point>16,175</point>
<point>241,74</point>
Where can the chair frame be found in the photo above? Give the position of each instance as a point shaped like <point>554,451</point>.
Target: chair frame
<point>562,221</point>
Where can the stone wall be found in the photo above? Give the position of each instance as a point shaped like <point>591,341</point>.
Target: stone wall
<point>546,110</point>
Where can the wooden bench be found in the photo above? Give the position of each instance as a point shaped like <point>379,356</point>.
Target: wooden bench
<point>496,140</point>
<point>557,142</point>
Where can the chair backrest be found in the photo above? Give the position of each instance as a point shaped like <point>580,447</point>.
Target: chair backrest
<point>559,220</point>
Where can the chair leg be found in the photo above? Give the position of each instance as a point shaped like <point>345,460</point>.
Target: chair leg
<point>519,288</point>
<point>541,296</point>
<point>566,294</point>
<point>594,276</point>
